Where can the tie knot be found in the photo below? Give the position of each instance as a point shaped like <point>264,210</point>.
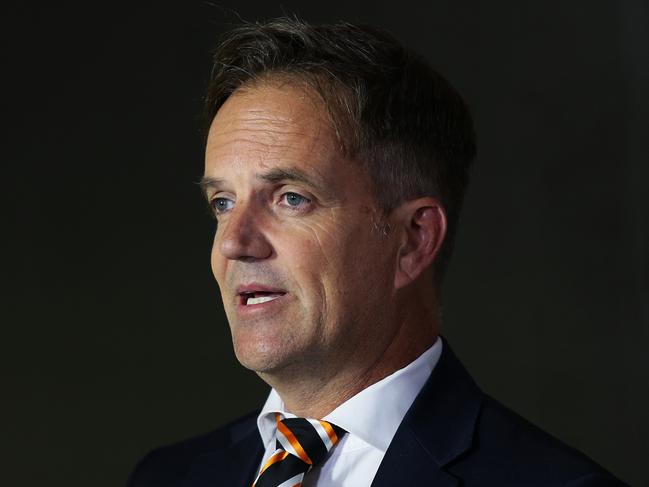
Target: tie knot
<point>308,439</point>
<point>302,443</point>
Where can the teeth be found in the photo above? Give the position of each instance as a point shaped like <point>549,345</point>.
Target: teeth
<point>261,299</point>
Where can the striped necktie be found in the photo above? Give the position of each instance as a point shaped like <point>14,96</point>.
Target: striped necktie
<point>302,443</point>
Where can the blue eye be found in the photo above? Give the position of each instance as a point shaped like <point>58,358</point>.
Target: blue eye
<point>219,205</point>
<point>294,200</point>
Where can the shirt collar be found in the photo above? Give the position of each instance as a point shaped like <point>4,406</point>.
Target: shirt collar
<point>384,403</point>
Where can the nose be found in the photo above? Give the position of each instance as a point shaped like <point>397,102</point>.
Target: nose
<point>242,237</point>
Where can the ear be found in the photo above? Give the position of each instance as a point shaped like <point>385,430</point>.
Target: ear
<point>422,224</point>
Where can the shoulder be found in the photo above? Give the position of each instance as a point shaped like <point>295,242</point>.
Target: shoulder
<point>509,447</point>
<point>167,466</point>
<point>481,441</point>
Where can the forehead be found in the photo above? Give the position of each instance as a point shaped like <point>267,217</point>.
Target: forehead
<point>271,124</point>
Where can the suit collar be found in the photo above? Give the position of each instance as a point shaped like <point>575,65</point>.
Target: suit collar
<point>444,415</point>
<point>438,428</point>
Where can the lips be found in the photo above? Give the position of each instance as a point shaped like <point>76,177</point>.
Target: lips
<point>248,299</point>
<point>256,294</point>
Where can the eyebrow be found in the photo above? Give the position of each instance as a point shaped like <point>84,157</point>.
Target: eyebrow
<point>209,183</point>
<point>275,175</point>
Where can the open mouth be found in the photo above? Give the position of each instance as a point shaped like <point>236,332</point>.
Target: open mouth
<point>259,297</point>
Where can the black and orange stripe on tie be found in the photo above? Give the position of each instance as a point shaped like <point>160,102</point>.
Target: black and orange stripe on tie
<point>301,445</point>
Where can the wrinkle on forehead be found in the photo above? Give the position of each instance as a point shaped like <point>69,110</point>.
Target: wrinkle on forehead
<point>286,125</point>
<point>297,105</point>
<point>334,100</point>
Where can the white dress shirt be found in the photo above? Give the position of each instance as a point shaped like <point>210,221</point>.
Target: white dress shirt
<point>371,419</point>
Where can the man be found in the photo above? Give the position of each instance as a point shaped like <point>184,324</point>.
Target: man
<point>336,162</point>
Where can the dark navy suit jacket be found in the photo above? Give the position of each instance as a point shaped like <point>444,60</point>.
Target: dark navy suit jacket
<point>453,435</point>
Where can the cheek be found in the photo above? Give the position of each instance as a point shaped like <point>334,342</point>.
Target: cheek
<point>335,259</point>
<point>362,267</point>
<point>217,262</point>
<point>311,253</point>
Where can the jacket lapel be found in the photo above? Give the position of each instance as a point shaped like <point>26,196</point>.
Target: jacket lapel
<point>407,463</point>
<point>235,466</point>
<point>436,430</point>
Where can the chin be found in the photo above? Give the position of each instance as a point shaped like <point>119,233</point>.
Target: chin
<point>259,357</point>
<point>263,366</point>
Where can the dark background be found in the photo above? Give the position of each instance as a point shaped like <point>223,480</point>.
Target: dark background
<point>113,336</point>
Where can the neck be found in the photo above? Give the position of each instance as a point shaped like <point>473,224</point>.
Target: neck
<point>314,390</point>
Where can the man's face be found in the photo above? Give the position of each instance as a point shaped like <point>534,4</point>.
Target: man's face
<point>304,276</point>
